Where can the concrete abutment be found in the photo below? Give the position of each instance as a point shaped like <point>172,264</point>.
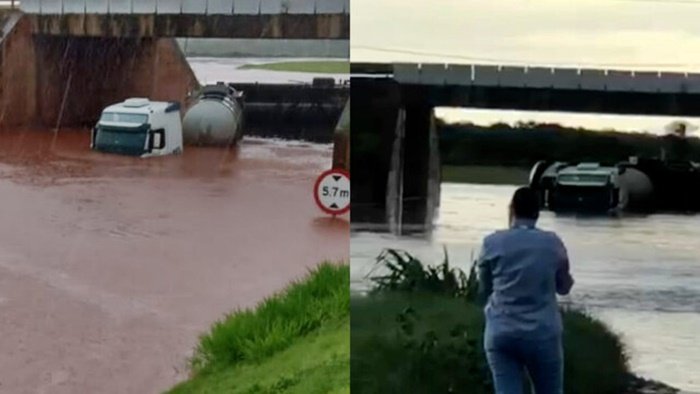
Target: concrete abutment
<point>396,141</point>
<point>66,81</point>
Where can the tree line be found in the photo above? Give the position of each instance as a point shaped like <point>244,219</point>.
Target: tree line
<point>525,143</point>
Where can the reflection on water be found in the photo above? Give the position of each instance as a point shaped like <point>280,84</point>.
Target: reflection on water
<point>639,274</point>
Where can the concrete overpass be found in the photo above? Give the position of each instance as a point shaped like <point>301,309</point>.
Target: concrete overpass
<point>288,19</point>
<point>62,61</point>
<point>394,129</point>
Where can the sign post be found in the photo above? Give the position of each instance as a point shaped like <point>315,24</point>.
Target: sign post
<point>332,192</point>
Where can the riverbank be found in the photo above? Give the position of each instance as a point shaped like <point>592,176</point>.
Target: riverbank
<point>320,67</point>
<point>212,70</point>
<point>422,328</point>
<point>637,274</point>
<point>294,342</point>
<point>490,175</point>
<point>235,47</point>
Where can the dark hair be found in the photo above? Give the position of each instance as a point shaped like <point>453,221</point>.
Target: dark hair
<point>525,203</point>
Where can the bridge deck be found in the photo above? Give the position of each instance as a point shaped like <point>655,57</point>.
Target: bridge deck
<point>534,77</point>
<point>190,7</point>
<point>284,19</point>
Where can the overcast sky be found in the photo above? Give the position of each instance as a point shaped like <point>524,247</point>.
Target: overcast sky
<point>638,34</point>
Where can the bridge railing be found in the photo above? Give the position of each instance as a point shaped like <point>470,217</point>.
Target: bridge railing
<point>546,78</point>
<point>197,7</point>
<point>9,4</point>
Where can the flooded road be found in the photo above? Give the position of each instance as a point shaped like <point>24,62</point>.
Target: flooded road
<point>638,274</point>
<point>110,267</point>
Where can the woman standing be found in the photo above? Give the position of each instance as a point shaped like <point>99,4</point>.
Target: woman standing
<point>521,270</point>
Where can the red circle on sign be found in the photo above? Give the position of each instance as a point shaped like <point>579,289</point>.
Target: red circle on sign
<point>320,179</point>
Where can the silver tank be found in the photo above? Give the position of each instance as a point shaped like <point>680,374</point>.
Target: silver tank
<point>215,119</point>
<point>636,189</point>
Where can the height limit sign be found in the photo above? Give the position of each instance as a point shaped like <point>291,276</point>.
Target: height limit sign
<point>332,192</point>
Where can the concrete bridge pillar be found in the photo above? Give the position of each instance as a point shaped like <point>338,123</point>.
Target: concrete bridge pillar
<point>78,77</point>
<point>395,158</point>
<point>395,178</point>
<point>341,141</point>
<point>421,168</point>
<point>375,109</point>
<point>434,172</point>
<point>18,85</point>
<point>66,81</point>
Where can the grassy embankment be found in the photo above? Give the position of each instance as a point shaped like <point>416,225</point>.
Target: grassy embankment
<point>491,175</point>
<point>297,341</point>
<point>321,67</point>
<point>420,331</point>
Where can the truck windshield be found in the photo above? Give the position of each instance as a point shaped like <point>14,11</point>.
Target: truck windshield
<point>121,117</point>
<point>125,141</point>
<point>588,179</point>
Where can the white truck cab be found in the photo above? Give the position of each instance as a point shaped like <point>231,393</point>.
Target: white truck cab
<point>139,127</point>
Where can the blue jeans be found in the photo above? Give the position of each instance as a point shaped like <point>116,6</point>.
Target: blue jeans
<point>509,357</point>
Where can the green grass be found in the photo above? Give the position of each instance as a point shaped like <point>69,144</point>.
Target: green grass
<point>428,343</point>
<point>382,361</point>
<point>309,316</point>
<point>317,364</point>
<point>321,67</point>
<point>492,175</point>
<point>421,331</point>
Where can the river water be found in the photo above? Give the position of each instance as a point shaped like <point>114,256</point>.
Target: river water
<point>638,274</point>
<point>111,267</point>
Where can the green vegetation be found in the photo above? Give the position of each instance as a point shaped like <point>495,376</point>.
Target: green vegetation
<point>492,175</point>
<point>294,342</point>
<point>321,67</point>
<point>524,144</point>
<point>421,331</point>
<point>318,363</point>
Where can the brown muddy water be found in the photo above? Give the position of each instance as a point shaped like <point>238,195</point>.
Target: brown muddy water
<point>110,267</point>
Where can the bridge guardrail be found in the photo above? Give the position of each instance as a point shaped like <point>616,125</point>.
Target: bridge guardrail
<point>544,77</point>
<point>9,4</point>
<point>194,7</point>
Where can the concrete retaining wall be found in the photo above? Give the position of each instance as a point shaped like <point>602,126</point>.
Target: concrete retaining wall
<point>67,81</point>
<point>18,88</point>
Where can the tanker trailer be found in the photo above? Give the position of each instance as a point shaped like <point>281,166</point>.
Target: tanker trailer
<point>216,118</point>
<point>637,192</point>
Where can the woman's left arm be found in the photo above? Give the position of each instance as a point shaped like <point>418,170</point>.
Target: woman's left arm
<point>484,270</point>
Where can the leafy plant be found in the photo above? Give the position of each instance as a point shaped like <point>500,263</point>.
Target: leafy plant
<point>407,273</point>
<point>447,353</point>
